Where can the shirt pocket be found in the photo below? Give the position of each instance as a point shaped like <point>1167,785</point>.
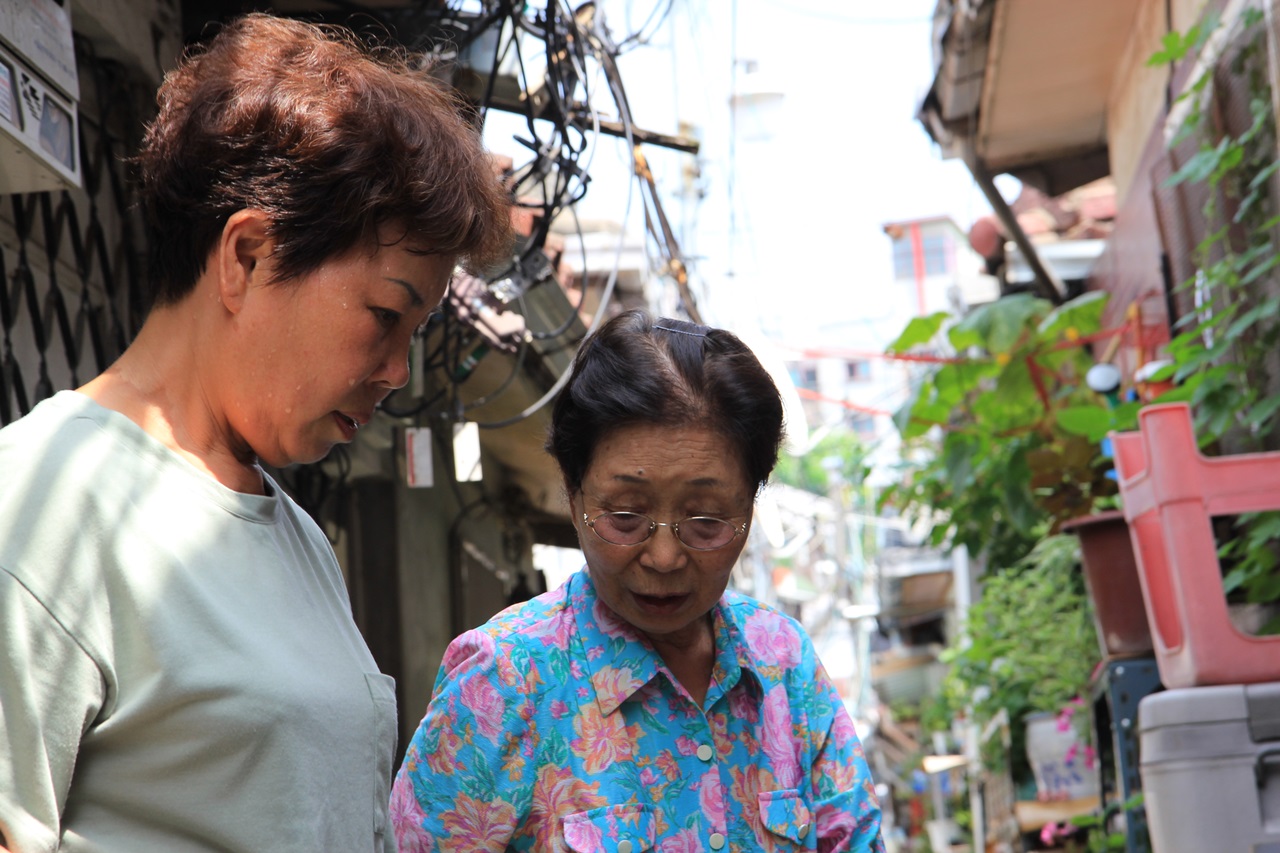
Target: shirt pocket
<point>787,814</point>
<point>611,829</point>
<point>382,692</point>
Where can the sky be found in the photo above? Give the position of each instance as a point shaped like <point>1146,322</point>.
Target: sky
<point>814,173</point>
<point>787,235</point>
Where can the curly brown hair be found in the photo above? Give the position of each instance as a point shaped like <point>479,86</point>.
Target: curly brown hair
<point>330,139</point>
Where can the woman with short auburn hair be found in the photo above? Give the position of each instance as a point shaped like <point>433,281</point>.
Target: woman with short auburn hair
<point>179,668</point>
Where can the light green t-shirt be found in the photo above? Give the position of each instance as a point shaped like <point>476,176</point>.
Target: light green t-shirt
<point>179,669</point>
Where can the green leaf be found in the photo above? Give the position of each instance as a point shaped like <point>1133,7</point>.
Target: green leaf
<point>1093,422</point>
<point>1264,175</point>
<point>998,325</point>
<point>919,331</point>
<point>1261,269</point>
<point>1084,314</point>
<point>1196,170</point>
<point>1174,46</point>
<point>1260,413</point>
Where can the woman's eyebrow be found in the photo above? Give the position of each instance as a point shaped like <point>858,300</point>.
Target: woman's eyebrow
<point>414,295</point>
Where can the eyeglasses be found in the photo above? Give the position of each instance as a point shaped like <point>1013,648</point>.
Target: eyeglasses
<point>699,532</point>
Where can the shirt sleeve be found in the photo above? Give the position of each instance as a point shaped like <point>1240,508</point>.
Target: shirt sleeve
<point>467,780</point>
<point>845,802</point>
<point>50,691</point>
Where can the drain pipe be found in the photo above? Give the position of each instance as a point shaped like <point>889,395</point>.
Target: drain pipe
<point>1047,285</point>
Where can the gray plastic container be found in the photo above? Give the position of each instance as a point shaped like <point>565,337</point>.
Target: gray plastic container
<point>1210,759</point>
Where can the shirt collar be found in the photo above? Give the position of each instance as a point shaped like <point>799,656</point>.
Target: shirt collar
<point>618,660</point>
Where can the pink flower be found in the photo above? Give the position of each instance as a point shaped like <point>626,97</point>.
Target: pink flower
<point>473,649</point>
<point>609,623</point>
<point>775,640</point>
<point>686,745</point>
<point>684,841</point>
<point>777,739</point>
<point>1090,757</point>
<point>558,708</point>
<point>407,817</point>
<point>583,835</point>
<point>710,798</point>
<point>485,702</point>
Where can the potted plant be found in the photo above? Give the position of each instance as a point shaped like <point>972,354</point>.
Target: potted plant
<point>1005,441</point>
<point>1025,650</point>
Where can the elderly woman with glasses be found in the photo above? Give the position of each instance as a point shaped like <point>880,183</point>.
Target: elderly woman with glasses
<point>643,705</point>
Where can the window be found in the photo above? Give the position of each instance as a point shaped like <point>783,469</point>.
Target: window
<point>862,424</point>
<point>904,266</point>
<point>935,254</point>
<point>859,371</point>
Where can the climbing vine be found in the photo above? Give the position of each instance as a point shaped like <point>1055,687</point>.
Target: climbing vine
<point>1225,351</point>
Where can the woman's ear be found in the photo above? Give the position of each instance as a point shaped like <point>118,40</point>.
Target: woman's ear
<point>239,258</point>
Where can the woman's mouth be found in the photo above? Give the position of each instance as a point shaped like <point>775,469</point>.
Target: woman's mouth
<point>660,605</point>
<point>349,425</point>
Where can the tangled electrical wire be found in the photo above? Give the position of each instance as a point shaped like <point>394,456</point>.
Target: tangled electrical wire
<point>550,66</point>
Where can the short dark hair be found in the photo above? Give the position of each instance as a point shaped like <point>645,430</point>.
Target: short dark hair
<point>328,138</point>
<point>636,370</point>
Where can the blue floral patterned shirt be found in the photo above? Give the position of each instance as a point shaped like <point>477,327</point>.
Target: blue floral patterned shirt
<point>557,727</point>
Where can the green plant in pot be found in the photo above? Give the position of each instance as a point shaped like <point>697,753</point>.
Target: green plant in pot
<point>1017,444</point>
<point>1026,647</point>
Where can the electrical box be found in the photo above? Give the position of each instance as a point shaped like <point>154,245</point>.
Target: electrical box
<point>39,93</point>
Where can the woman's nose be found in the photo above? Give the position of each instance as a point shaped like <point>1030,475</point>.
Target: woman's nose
<point>394,372</point>
<point>663,551</point>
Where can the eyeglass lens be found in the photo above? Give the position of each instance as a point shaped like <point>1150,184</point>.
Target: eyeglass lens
<point>630,528</point>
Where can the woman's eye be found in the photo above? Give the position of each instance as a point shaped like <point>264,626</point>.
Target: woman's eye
<point>386,317</point>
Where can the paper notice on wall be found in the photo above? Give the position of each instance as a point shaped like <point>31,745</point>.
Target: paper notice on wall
<point>466,453</point>
<point>417,457</point>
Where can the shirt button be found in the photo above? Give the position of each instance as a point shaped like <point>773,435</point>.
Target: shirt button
<point>717,841</point>
<point>804,829</point>
<point>624,846</point>
<point>705,752</point>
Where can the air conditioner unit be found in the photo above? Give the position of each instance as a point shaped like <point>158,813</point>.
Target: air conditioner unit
<point>39,92</point>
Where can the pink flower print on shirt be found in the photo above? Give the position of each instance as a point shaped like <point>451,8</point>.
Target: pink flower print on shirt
<point>684,841</point>
<point>743,707</point>
<point>711,797</point>
<point>777,738</point>
<point>558,708</point>
<point>477,825</point>
<point>407,817</point>
<point>473,650</point>
<point>609,623</point>
<point>835,828</point>
<point>686,745</point>
<point>775,639</point>
<point>485,702</point>
<point>583,835</point>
